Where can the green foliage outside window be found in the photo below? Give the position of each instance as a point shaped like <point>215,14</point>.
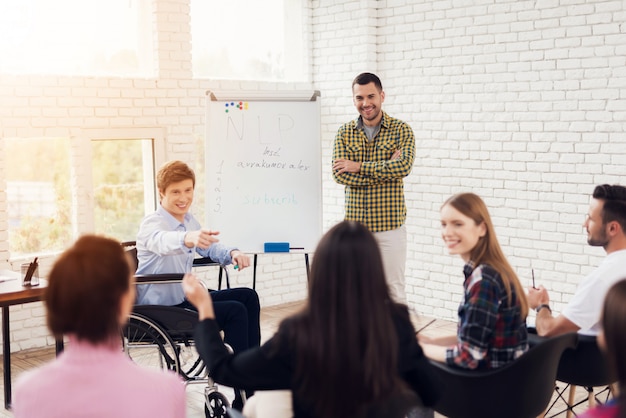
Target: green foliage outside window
<point>118,188</point>
<point>43,161</point>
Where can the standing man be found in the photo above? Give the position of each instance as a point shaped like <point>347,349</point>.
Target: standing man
<point>606,227</point>
<point>371,156</point>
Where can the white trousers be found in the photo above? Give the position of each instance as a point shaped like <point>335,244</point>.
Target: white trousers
<point>392,246</point>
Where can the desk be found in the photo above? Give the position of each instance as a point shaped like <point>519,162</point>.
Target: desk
<point>13,293</point>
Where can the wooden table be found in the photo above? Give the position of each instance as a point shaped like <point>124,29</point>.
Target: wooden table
<point>13,293</point>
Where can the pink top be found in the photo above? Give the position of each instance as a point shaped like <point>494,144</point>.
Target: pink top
<point>97,381</point>
<point>605,411</point>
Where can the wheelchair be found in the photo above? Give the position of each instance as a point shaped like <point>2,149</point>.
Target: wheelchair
<point>161,337</point>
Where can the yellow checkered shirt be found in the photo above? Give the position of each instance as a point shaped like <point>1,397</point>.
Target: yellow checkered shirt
<point>375,195</point>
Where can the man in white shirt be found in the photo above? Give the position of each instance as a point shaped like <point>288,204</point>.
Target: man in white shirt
<point>606,227</point>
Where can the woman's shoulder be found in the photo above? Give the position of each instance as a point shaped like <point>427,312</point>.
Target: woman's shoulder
<point>290,328</point>
<point>487,273</point>
<point>400,310</point>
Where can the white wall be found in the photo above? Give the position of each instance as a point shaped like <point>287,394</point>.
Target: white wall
<point>522,102</point>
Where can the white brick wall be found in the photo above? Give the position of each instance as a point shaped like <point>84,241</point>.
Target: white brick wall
<point>522,102</point>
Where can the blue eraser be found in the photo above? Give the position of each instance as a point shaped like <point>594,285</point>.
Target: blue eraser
<point>276,247</point>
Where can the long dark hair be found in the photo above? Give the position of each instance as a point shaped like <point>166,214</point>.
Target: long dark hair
<point>613,325</point>
<point>346,344</point>
<point>487,250</point>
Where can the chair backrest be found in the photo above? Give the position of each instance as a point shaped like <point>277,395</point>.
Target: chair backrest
<point>131,249</point>
<point>520,389</point>
<point>585,365</point>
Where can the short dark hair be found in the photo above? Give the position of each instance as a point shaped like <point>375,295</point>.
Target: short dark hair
<point>614,203</point>
<point>85,288</point>
<point>174,172</point>
<point>366,78</point>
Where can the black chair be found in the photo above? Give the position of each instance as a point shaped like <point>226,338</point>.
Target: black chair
<point>584,366</point>
<point>520,389</point>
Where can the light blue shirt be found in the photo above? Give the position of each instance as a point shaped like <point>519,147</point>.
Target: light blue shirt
<point>161,249</point>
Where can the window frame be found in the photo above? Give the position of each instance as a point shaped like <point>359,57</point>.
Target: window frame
<point>151,161</point>
<point>81,177</point>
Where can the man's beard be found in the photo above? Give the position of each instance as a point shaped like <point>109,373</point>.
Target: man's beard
<point>598,241</point>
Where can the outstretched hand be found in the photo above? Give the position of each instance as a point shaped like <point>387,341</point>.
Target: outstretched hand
<point>198,295</point>
<point>202,238</point>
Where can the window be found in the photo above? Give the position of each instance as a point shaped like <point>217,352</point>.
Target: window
<point>122,173</point>
<point>38,194</point>
<point>123,186</point>
<point>53,195</point>
<point>77,37</point>
<point>249,40</point>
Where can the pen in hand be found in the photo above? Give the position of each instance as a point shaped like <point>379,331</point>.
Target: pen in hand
<point>532,271</point>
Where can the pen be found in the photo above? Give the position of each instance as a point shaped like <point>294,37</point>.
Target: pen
<point>532,271</point>
<point>433,320</point>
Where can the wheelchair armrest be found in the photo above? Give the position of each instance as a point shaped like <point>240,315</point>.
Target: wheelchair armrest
<point>158,278</point>
<point>205,261</point>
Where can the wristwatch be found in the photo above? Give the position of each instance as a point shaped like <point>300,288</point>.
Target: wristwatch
<point>543,305</point>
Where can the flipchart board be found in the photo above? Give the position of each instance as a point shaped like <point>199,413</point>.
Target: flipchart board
<point>263,168</point>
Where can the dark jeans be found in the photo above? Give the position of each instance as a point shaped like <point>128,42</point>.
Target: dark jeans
<point>237,314</point>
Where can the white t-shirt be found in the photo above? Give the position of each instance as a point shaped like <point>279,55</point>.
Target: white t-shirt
<point>585,308</point>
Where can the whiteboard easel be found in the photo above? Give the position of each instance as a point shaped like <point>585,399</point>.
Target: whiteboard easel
<point>263,165</point>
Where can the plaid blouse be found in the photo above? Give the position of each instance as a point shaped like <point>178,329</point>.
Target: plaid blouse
<point>490,332</point>
<point>375,195</point>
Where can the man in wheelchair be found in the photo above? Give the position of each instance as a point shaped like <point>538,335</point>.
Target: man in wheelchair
<point>167,242</point>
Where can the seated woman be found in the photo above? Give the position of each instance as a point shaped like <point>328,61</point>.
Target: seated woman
<point>612,341</point>
<point>492,316</point>
<point>89,296</point>
<point>350,349</point>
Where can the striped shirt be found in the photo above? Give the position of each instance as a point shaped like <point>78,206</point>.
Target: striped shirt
<point>491,332</point>
<point>375,195</point>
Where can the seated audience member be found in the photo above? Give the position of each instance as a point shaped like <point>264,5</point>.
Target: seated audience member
<point>350,349</point>
<point>89,296</point>
<point>492,328</point>
<point>167,242</point>
<point>612,340</point>
<point>606,227</point>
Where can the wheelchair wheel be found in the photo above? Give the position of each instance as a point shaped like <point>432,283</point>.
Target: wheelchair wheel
<point>216,405</point>
<point>148,345</point>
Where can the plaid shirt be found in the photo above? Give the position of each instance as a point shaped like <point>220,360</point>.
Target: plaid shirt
<point>491,332</point>
<point>375,195</point>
